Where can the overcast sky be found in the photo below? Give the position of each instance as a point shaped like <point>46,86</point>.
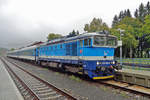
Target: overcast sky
<point>25,21</point>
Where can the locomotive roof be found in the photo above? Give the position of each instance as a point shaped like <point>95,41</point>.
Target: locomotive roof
<point>87,35</point>
<point>84,35</point>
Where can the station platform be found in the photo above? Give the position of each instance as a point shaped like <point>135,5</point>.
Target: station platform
<point>8,89</point>
<point>137,77</point>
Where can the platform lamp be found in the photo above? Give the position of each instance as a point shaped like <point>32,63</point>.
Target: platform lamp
<point>121,34</point>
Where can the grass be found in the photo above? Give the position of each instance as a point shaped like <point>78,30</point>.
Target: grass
<point>123,94</point>
<point>72,77</point>
<point>56,73</point>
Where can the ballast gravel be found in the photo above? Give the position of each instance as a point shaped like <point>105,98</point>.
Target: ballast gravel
<point>78,87</point>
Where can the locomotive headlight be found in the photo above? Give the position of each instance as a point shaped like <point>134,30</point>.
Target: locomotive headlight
<point>113,62</point>
<point>97,63</point>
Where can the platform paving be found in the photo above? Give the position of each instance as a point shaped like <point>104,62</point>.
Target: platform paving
<point>137,77</point>
<point>8,90</point>
<point>133,71</point>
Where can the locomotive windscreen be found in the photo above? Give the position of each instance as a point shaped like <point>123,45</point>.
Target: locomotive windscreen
<point>105,41</point>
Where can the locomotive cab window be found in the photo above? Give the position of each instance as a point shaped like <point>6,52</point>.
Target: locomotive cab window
<point>81,43</point>
<point>111,41</point>
<point>105,41</point>
<point>87,42</point>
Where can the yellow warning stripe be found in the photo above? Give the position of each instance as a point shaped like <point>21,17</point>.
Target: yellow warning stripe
<point>105,77</point>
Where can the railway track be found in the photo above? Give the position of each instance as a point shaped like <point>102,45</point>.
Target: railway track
<point>32,87</point>
<point>131,88</point>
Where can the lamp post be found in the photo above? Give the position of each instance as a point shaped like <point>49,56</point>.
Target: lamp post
<point>121,34</point>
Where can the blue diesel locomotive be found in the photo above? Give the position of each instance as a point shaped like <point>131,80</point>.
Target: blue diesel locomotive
<point>90,53</point>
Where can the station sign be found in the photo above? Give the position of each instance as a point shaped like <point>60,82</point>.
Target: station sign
<point>119,43</point>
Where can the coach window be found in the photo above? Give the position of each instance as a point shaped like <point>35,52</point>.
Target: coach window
<point>81,43</point>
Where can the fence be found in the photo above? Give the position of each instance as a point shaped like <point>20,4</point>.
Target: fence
<point>136,63</point>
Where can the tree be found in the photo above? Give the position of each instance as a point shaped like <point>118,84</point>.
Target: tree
<point>128,13</point>
<point>133,22</point>
<point>121,15</point>
<point>146,26</point>
<point>12,49</point>
<point>52,36</point>
<point>96,25</point>
<point>77,32</point>
<point>73,33</point>
<point>135,28</point>
<point>86,27</point>
<point>132,30</point>
<point>148,8</point>
<point>142,12</point>
<point>136,14</point>
<point>146,34</point>
<point>115,21</point>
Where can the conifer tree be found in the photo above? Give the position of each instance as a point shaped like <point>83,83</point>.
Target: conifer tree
<point>124,13</point>
<point>136,14</point>
<point>128,13</point>
<point>77,32</point>
<point>121,15</point>
<point>115,20</point>
<point>148,8</point>
<point>142,12</point>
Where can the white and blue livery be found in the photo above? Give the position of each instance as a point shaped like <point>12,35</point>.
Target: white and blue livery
<point>89,53</point>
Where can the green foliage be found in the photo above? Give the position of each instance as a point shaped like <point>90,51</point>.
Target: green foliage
<point>128,38</point>
<point>148,8</point>
<point>115,20</point>
<point>135,28</point>
<point>73,33</point>
<point>12,49</point>
<point>142,12</point>
<point>136,14</point>
<point>96,25</point>
<point>146,30</point>
<point>75,78</point>
<point>122,15</point>
<point>128,13</point>
<point>131,27</point>
<point>146,26</point>
<point>52,36</point>
<point>134,23</point>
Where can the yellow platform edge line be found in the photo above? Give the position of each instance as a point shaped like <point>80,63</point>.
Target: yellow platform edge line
<point>105,77</point>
